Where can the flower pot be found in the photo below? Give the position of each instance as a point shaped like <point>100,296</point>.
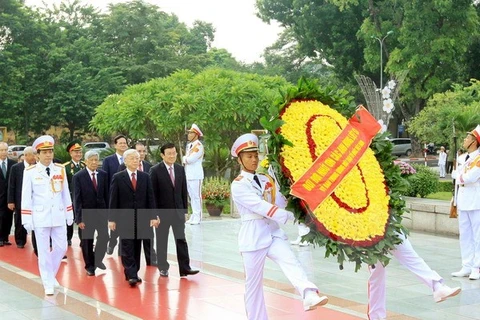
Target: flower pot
<point>213,209</point>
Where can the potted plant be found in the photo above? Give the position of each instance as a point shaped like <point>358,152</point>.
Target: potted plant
<point>215,193</point>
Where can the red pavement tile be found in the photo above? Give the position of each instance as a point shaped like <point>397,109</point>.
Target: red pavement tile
<point>198,297</point>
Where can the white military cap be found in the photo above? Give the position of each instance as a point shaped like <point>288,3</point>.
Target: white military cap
<point>476,133</point>
<point>196,129</point>
<point>43,143</point>
<point>246,142</point>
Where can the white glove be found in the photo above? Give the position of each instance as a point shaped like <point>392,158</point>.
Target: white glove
<point>27,222</point>
<point>69,222</point>
<point>291,216</point>
<point>28,227</point>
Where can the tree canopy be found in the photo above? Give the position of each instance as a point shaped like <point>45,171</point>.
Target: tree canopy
<point>223,103</point>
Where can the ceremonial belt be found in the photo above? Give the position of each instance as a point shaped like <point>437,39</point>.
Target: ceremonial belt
<point>476,184</point>
<point>251,216</point>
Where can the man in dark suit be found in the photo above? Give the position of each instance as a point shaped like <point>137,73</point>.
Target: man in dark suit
<point>170,189</point>
<point>15,194</point>
<point>110,166</point>
<point>71,168</point>
<point>132,213</point>
<point>90,205</point>
<point>6,214</point>
<point>145,166</point>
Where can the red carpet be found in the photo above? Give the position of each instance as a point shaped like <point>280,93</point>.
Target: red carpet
<point>198,297</point>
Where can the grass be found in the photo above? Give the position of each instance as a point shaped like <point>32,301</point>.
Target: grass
<point>443,195</point>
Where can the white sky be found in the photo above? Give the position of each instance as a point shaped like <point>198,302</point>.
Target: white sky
<point>238,30</point>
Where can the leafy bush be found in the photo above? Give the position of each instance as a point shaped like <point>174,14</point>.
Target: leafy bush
<point>445,186</point>
<point>423,183</point>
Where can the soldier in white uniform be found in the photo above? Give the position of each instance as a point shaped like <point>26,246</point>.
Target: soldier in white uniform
<point>194,172</point>
<point>260,205</point>
<point>46,206</point>
<point>406,255</point>
<point>468,205</point>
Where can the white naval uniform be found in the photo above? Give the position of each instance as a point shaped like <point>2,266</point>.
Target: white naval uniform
<point>260,236</point>
<point>46,206</point>
<point>194,173</point>
<point>377,291</point>
<point>468,206</point>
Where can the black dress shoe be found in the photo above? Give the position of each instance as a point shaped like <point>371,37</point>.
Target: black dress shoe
<point>20,246</point>
<point>69,242</point>
<point>7,243</point>
<point>189,273</point>
<point>132,282</point>
<point>139,280</point>
<point>163,273</point>
<point>1,244</point>
<point>90,273</point>
<point>100,265</point>
<point>109,250</point>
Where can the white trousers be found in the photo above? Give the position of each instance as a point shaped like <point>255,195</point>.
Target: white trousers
<point>194,188</point>
<point>442,170</point>
<point>406,255</point>
<point>49,260</point>
<point>254,262</point>
<point>469,229</point>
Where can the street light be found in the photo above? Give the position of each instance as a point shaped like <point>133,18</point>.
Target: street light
<point>381,56</point>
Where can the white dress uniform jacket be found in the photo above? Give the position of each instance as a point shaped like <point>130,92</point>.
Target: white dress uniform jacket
<point>193,160</point>
<point>260,218</point>
<point>46,199</point>
<point>468,181</point>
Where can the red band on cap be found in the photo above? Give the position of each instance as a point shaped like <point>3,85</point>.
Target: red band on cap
<point>248,144</point>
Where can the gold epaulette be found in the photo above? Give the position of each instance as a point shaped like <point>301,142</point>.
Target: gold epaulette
<point>59,165</point>
<point>238,178</point>
<point>31,167</point>
<point>66,163</point>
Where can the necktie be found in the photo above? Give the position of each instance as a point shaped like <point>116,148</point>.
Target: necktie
<point>466,158</point>
<point>255,177</point>
<point>170,170</point>
<point>134,181</point>
<point>140,167</point>
<point>94,180</point>
<point>48,171</point>
<point>4,169</point>
<point>121,160</point>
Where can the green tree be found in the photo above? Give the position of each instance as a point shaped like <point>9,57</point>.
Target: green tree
<point>458,107</point>
<point>149,43</point>
<point>24,71</point>
<point>82,73</point>
<point>223,103</point>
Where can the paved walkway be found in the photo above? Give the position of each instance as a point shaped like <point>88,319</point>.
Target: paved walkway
<point>217,293</point>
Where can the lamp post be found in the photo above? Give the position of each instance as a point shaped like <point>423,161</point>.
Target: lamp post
<point>381,55</point>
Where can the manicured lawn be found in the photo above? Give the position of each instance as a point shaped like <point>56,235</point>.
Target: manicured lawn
<point>440,196</point>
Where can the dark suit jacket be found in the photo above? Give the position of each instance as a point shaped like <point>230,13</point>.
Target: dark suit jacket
<point>15,181</point>
<point>71,170</point>
<point>145,164</point>
<point>110,165</point>
<point>4,185</point>
<point>86,197</point>
<point>166,196</point>
<point>122,196</point>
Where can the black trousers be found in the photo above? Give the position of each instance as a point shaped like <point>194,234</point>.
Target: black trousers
<point>131,251</point>
<point>20,232</point>
<point>69,232</point>
<point>178,228</point>
<point>6,221</point>
<point>92,258</point>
